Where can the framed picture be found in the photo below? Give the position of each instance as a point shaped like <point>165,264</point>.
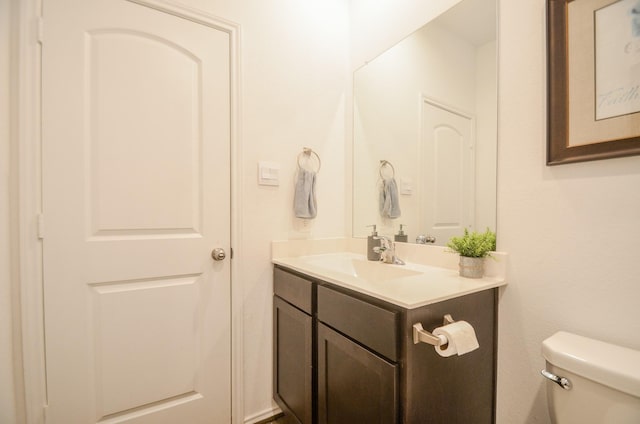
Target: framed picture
<point>593,79</point>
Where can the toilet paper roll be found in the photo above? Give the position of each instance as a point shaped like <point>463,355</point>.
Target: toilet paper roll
<point>461,339</point>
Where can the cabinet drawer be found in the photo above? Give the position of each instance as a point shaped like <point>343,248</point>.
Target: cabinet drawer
<point>295,290</point>
<point>370,325</point>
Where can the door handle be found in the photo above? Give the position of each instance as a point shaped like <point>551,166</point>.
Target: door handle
<point>218,254</point>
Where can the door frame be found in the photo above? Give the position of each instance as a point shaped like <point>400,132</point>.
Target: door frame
<point>27,139</point>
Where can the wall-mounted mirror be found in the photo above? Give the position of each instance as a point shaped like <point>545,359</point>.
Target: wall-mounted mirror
<point>428,106</point>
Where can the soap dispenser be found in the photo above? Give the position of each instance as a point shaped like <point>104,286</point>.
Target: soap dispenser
<point>373,241</point>
<point>401,236</point>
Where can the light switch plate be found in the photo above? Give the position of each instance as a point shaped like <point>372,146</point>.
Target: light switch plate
<point>268,173</point>
<point>406,186</point>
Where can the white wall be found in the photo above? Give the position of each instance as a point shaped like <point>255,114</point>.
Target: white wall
<point>7,397</point>
<point>571,231</point>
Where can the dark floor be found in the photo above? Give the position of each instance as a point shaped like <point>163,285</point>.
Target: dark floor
<point>279,420</point>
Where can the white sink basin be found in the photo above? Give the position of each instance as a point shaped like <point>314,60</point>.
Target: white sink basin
<point>372,271</point>
<point>379,272</point>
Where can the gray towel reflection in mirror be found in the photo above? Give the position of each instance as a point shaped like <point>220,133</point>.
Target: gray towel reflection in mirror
<point>389,203</point>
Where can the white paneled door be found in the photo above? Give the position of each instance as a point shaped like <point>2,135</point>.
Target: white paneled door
<point>136,195</point>
<point>448,171</point>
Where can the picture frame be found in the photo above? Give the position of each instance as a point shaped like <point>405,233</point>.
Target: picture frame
<point>586,118</point>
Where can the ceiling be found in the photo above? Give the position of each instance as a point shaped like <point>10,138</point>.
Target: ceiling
<point>474,20</point>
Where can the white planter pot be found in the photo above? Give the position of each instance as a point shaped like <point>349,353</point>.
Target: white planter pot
<point>471,267</point>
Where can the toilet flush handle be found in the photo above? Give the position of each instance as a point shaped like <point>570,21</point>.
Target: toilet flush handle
<point>560,381</point>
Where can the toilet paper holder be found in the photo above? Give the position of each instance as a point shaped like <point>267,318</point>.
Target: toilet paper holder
<point>422,335</point>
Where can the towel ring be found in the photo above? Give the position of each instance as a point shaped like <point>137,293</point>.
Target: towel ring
<point>385,163</point>
<point>306,151</point>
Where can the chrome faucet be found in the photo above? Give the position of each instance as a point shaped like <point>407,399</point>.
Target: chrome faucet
<point>387,251</point>
<point>424,239</point>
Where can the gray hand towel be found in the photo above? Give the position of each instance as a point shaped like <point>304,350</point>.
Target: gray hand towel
<point>389,202</point>
<point>304,201</point>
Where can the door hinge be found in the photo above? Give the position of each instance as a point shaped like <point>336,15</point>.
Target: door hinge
<point>231,255</point>
<point>40,29</point>
<point>40,224</point>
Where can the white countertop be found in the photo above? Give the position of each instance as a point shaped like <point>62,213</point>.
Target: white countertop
<point>409,286</point>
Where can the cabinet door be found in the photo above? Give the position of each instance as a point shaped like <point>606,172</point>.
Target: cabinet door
<point>292,361</point>
<point>354,384</point>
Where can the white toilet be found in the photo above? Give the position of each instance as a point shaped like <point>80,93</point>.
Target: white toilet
<point>591,382</point>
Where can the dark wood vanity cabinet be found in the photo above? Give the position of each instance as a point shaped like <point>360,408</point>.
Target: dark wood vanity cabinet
<point>341,357</point>
<point>293,346</point>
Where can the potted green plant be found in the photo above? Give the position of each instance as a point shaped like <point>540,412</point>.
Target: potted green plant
<point>473,247</point>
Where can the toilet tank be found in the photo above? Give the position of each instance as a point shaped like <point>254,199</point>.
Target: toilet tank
<point>604,381</point>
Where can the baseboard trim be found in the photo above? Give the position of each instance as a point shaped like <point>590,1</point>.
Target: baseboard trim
<point>271,419</point>
<point>264,417</point>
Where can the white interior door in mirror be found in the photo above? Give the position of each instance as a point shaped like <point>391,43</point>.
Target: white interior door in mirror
<point>136,194</point>
<point>447,171</point>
